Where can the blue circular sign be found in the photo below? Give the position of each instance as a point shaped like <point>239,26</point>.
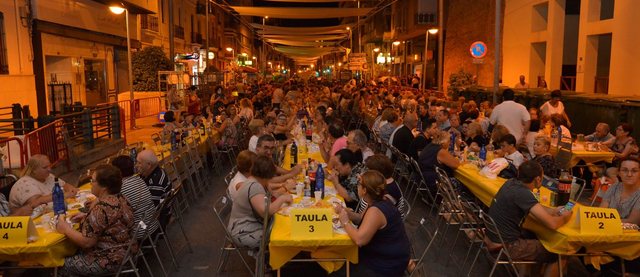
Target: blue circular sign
<point>478,49</point>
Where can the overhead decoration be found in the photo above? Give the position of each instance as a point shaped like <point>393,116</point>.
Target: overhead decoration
<point>305,38</point>
<point>309,1</point>
<point>300,13</point>
<point>302,43</point>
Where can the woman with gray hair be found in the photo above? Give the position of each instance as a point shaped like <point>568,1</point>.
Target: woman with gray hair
<point>357,141</point>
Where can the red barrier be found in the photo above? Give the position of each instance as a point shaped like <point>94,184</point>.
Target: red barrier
<point>142,107</point>
<point>47,140</point>
<point>13,160</point>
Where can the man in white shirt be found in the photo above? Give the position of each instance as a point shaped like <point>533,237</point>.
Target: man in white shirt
<point>276,97</point>
<point>555,106</point>
<point>521,84</point>
<point>512,115</point>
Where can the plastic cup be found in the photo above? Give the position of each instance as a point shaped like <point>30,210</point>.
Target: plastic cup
<point>299,189</point>
<point>318,195</point>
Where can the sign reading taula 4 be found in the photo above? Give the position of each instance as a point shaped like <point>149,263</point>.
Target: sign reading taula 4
<point>17,230</point>
<point>311,223</point>
<point>595,220</point>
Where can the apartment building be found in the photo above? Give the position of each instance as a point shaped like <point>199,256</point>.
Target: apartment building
<point>582,45</point>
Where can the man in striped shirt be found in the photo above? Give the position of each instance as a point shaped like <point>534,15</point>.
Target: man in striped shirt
<point>156,179</point>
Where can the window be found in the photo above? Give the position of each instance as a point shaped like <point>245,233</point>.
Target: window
<point>539,17</point>
<point>4,63</point>
<point>606,9</point>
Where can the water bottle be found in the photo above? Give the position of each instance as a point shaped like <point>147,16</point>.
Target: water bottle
<point>57,195</point>
<point>309,132</point>
<point>483,153</point>
<point>174,141</point>
<point>320,180</point>
<point>452,143</point>
<point>419,127</point>
<point>133,154</point>
<point>294,154</point>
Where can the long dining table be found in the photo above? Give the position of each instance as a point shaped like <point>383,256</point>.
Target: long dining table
<point>567,239</point>
<point>331,253</point>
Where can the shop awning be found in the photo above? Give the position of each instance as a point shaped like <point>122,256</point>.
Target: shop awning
<point>247,69</point>
<point>300,13</point>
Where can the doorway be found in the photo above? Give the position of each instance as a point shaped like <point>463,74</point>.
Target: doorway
<point>95,82</point>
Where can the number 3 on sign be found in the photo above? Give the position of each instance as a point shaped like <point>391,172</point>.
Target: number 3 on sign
<point>311,230</point>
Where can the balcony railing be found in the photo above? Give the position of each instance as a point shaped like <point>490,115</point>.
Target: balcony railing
<point>568,83</point>
<point>149,22</point>
<point>196,38</point>
<point>426,18</point>
<point>178,32</point>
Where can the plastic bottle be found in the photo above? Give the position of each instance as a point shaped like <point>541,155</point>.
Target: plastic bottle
<point>320,180</point>
<point>452,143</point>
<point>174,141</point>
<point>294,154</point>
<point>483,153</point>
<point>59,206</point>
<point>309,131</point>
<point>133,154</point>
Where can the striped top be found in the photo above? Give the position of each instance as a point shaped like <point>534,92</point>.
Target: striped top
<point>135,190</point>
<point>159,185</point>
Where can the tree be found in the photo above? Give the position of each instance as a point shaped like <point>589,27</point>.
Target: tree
<point>459,82</point>
<point>146,64</point>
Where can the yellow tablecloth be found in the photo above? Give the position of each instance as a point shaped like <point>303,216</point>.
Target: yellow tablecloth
<point>49,250</point>
<point>282,248</point>
<point>587,156</point>
<point>566,239</point>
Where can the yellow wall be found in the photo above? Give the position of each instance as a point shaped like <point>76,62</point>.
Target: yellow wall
<point>19,85</point>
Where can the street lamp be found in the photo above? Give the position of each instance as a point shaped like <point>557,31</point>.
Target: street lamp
<point>373,65</point>
<point>229,49</point>
<point>264,45</point>
<point>432,31</point>
<point>119,9</point>
<point>350,40</point>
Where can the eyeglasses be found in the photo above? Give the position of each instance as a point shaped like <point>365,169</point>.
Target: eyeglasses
<point>626,171</point>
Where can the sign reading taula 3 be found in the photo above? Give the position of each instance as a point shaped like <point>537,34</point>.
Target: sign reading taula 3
<point>311,223</point>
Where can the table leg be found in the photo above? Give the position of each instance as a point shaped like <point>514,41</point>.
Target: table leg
<point>55,271</point>
<point>560,265</point>
<point>347,264</point>
<point>278,272</point>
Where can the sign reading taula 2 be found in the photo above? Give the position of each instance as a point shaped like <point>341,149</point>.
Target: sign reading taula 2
<point>595,220</point>
<point>16,229</point>
<point>311,223</point>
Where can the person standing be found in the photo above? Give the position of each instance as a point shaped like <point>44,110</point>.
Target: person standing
<point>555,106</point>
<point>521,84</point>
<point>512,115</point>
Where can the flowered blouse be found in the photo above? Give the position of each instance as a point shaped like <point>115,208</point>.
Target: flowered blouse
<point>350,183</point>
<point>111,222</point>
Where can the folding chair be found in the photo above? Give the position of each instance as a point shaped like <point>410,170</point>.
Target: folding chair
<point>503,257</point>
<point>222,210</point>
<point>182,199</point>
<point>430,230</point>
<point>129,263</point>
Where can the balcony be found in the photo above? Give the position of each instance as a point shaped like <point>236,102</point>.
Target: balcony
<point>149,22</point>
<point>178,32</point>
<point>426,18</point>
<point>196,38</point>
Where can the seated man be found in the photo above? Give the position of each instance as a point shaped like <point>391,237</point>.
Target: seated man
<point>157,181</point>
<point>601,135</point>
<point>357,141</point>
<point>511,153</point>
<point>266,145</point>
<point>512,204</point>
<point>36,184</point>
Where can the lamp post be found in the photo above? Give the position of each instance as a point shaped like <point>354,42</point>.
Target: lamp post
<point>393,66</point>
<point>264,57</point>
<point>373,63</point>
<point>229,49</point>
<point>350,40</point>
<point>119,9</point>
<point>432,31</point>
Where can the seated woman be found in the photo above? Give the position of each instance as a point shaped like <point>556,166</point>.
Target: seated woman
<point>227,128</point>
<point>434,155</point>
<point>335,140</point>
<point>348,167</point>
<point>244,161</point>
<point>248,210</point>
<point>36,184</point>
<point>170,125</point>
<point>559,123</point>
<point>625,195</point>
<point>257,129</point>
<point>105,231</point>
<point>384,248</point>
<point>541,146</point>
<point>475,137</point>
<point>624,145</point>
<point>283,127</point>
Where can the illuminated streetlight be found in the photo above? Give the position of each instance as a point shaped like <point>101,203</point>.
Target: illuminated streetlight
<point>396,43</point>
<point>229,49</point>
<point>433,31</point>
<point>254,57</point>
<point>118,9</point>
<point>244,54</point>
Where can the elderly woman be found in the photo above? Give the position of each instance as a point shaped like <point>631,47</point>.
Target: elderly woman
<point>348,167</point>
<point>248,210</point>
<point>475,137</point>
<point>541,146</point>
<point>36,184</point>
<point>559,123</point>
<point>384,247</point>
<point>244,161</point>
<point>624,145</point>
<point>357,141</point>
<point>227,128</point>
<point>105,231</point>
<point>434,155</point>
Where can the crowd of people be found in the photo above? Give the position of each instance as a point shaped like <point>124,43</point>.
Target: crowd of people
<point>345,119</point>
